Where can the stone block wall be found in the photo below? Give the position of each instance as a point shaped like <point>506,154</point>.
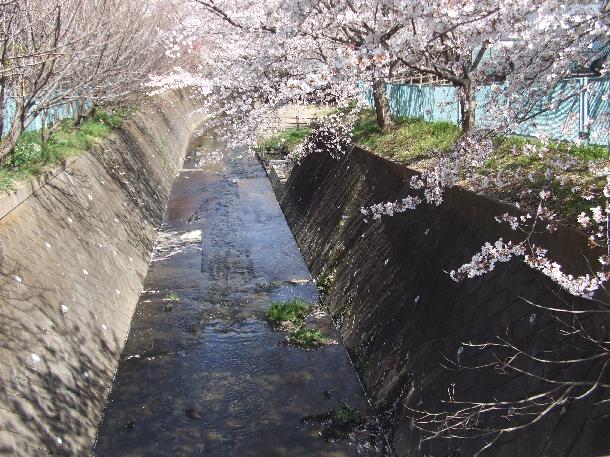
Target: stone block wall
<point>402,317</point>
<point>74,250</point>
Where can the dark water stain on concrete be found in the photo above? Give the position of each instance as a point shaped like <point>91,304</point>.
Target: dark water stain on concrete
<point>210,376</point>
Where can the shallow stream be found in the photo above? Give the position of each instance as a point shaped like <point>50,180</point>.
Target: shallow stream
<point>202,371</point>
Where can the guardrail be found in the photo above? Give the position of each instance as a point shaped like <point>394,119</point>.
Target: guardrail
<point>299,122</point>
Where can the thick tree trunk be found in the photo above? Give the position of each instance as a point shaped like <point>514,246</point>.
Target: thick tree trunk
<point>382,107</point>
<point>78,112</point>
<point>90,112</point>
<point>45,136</point>
<point>467,108</point>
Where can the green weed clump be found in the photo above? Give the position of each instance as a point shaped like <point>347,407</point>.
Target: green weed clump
<point>293,311</point>
<point>173,297</point>
<point>307,338</point>
<point>346,414</point>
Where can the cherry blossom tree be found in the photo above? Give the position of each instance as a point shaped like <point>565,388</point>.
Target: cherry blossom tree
<point>59,52</point>
<point>258,56</point>
<point>521,48</point>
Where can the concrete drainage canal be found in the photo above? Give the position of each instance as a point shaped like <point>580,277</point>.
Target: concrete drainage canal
<point>229,353</point>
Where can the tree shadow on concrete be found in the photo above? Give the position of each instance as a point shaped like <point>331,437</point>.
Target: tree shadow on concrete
<point>57,387</point>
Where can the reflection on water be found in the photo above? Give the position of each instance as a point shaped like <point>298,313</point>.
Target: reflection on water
<point>202,372</point>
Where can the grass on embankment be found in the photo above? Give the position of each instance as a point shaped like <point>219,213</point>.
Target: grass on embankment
<point>29,158</point>
<point>280,144</point>
<point>512,173</point>
<point>409,141</point>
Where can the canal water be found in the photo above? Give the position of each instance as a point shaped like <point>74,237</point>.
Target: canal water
<point>202,371</point>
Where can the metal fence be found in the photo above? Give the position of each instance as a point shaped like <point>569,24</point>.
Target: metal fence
<point>585,115</point>
<point>297,122</point>
<point>54,114</point>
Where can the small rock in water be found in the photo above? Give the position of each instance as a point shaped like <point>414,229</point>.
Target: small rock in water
<point>326,394</point>
<point>194,413</point>
<point>130,425</point>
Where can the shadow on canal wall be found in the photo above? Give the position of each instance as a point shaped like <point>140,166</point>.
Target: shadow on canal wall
<point>74,250</point>
<point>400,314</point>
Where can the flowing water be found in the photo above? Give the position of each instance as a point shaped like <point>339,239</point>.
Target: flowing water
<point>202,371</point>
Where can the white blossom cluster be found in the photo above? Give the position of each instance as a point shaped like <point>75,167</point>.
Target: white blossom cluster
<point>595,220</point>
<point>537,257</point>
<point>444,172</point>
<point>391,208</point>
<point>486,260</point>
<point>581,286</point>
<point>331,136</point>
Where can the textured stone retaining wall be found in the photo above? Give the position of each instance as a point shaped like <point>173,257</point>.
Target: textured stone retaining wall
<point>74,249</point>
<point>400,314</point>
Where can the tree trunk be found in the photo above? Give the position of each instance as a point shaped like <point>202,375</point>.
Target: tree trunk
<point>77,112</point>
<point>91,111</point>
<point>2,105</point>
<point>382,108</point>
<point>467,108</point>
<point>8,142</point>
<point>45,135</point>
<point>17,127</point>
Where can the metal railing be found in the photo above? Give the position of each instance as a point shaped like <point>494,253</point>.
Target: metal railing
<point>297,122</point>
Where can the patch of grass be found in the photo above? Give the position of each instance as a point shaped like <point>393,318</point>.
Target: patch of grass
<point>293,311</point>
<point>306,338</point>
<point>512,173</point>
<point>29,157</point>
<point>346,414</point>
<point>572,179</point>
<point>329,272</point>
<point>344,218</point>
<point>173,297</point>
<point>410,140</point>
<point>115,117</point>
<point>282,143</point>
<point>342,423</point>
<point>326,279</point>
<point>360,358</point>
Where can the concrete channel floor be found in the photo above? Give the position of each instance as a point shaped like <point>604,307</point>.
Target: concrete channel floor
<point>202,371</point>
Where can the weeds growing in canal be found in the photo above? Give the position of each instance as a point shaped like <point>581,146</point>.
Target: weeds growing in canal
<point>173,297</point>
<point>307,338</point>
<point>346,414</point>
<point>293,311</point>
<point>338,424</point>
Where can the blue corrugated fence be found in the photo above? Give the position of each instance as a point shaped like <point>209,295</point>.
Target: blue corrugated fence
<point>584,115</point>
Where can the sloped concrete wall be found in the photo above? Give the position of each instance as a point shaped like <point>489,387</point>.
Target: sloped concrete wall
<point>74,250</point>
<point>400,314</point>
